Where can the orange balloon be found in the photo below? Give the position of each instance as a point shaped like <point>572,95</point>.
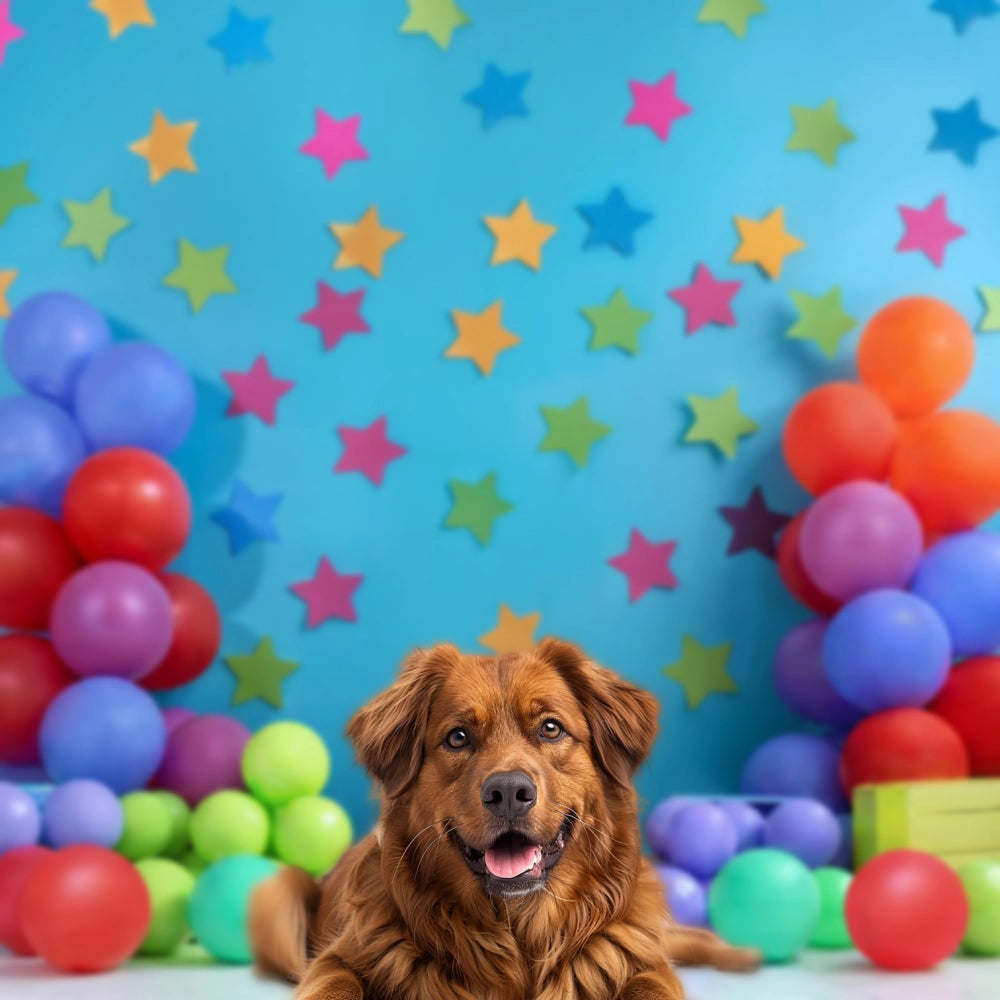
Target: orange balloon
<point>838,432</point>
<point>916,353</point>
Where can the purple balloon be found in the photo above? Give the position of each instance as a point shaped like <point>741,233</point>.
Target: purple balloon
<point>204,755</point>
<point>805,828</point>
<point>686,897</point>
<point>860,536</point>
<point>701,838</point>
<point>795,764</point>
<point>175,716</point>
<point>20,820</point>
<point>112,618</point>
<point>748,822</point>
<point>82,811</point>
<point>658,823</point>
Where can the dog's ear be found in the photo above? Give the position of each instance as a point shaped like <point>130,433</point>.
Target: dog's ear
<point>621,716</point>
<point>388,733</point>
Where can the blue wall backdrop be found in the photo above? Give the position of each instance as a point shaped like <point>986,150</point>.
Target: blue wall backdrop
<point>73,99</point>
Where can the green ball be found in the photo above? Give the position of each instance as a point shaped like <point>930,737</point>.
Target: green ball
<point>229,822</point>
<point>981,880</point>
<point>312,833</point>
<point>180,823</point>
<point>831,931</point>
<point>284,761</point>
<point>217,909</point>
<point>147,827</point>
<point>765,899</point>
<point>169,884</point>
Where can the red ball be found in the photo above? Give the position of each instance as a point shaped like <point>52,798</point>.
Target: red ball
<point>794,576</point>
<point>902,744</point>
<point>970,701</point>
<point>127,503</point>
<point>85,909</point>
<point>15,867</point>
<point>906,910</point>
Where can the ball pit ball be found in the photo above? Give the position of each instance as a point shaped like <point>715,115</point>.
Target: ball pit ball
<point>831,932</point>
<point>701,838</point>
<point>658,822</point>
<point>15,867</point>
<point>180,823</point>
<point>169,885</point>
<point>20,820</point>
<point>312,833</point>
<point>795,764</point>
<point>284,761</point>
<point>747,820</point>
<point>805,828</point>
<point>203,756</point>
<point>981,881</point>
<point>970,703</point>
<point>686,896</point>
<point>82,812</point>
<point>147,828</point>
<point>229,822</point>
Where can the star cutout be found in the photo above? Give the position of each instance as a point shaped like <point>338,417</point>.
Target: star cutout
<point>964,12</point>
<point>14,190</point>
<point>702,670</point>
<point>93,224</point>
<point>519,236</point>
<point>511,633</point>
<point>328,594</point>
<point>613,222</point>
<point>819,131</point>
<point>436,18</point>
<point>336,314</point>
<point>754,526</point>
<point>260,673</point>
<point>822,319</point>
<point>645,564</point>
<point>166,147</point>
<point>929,230</point>
<point>256,391</point>
<point>201,274</point>
<point>499,96</point>
<point>364,243</point>
<point>706,300</point>
<point>961,131</point>
<point>476,506</point>
<point>572,429</point>
<point>765,242</point>
<point>719,421</point>
<point>656,105</point>
<point>242,39</point>
<point>9,31</point>
<point>367,450</point>
<point>334,143</point>
<point>6,280</point>
<point>616,324</point>
<point>989,322</point>
<point>248,517</point>
<point>481,337</point>
<point>122,14</point>
<point>734,14</point>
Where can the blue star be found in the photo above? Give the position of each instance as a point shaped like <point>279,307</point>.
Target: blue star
<point>499,95</point>
<point>963,12</point>
<point>613,222</point>
<point>242,40</point>
<point>247,517</point>
<point>961,131</point>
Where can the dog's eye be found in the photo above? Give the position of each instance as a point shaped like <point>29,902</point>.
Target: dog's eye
<point>457,739</point>
<point>551,730</point>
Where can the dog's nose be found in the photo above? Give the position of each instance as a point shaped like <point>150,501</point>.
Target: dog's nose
<point>509,793</point>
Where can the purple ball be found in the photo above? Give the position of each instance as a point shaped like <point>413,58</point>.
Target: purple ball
<point>175,716</point>
<point>20,820</point>
<point>82,812</point>
<point>844,855</point>
<point>701,838</point>
<point>795,764</point>
<point>204,755</point>
<point>686,896</point>
<point>805,828</point>
<point>748,822</point>
<point>658,822</point>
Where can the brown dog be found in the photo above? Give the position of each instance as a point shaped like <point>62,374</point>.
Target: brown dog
<point>506,862</point>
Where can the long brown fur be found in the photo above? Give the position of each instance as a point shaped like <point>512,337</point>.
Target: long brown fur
<point>402,916</point>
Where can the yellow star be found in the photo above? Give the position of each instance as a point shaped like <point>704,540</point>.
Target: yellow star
<point>512,634</point>
<point>765,242</point>
<point>702,670</point>
<point>364,243</point>
<point>481,337</point>
<point>519,236</point>
<point>166,147</point>
<point>122,14</point>
<point>6,280</point>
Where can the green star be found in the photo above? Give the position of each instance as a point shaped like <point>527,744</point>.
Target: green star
<point>93,223</point>
<point>259,674</point>
<point>719,421</point>
<point>991,299</point>
<point>437,18</point>
<point>572,429</point>
<point>822,319</point>
<point>14,190</point>
<point>201,274</point>
<point>476,506</point>
<point>616,324</point>
<point>734,14</point>
<point>702,671</point>
<point>819,131</point>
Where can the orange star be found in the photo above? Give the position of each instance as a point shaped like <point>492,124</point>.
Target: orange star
<point>519,236</point>
<point>166,147</point>
<point>481,337</point>
<point>364,243</point>
<point>6,280</point>
<point>765,242</point>
<point>512,634</point>
<point>122,14</point>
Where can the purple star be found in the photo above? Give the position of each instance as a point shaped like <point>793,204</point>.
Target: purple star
<point>754,526</point>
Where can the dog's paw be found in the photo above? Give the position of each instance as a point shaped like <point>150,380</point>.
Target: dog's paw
<point>334,988</point>
<point>728,958</point>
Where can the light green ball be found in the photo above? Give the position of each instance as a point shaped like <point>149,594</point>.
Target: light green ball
<point>229,822</point>
<point>284,761</point>
<point>169,884</point>
<point>765,899</point>
<point>180,823</point>
<point>981,880</point>
<point>831,931</point>
<point>147,827</point>
<point>312,833</point>
<point>191,860</point>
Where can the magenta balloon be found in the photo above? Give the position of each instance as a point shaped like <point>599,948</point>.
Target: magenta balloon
<point>176,716</point>
<point>112,618</point>
<point>860,536</point>
<point>203,755</point>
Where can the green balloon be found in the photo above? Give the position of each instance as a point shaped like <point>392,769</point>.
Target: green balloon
<point>312,833</point>
<point>981,880</point>
<point>229,822</point>
<point>284,761</point>
<point>169,884</point>
<point>217,909</point>
<point>765,899</point>
<point>147,826</point>
<point>180,823</point>
<point>831,931</point>
<point>193,862</point>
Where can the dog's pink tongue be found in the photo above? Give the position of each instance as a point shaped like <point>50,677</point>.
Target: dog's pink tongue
<point>507,861</point>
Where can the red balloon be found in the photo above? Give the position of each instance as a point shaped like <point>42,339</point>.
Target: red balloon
<point>31,675</point>
<point>794,575</point>
<point>127,503</point>
<point>36,559</point>
<point>906,910</point>
<point>15,867</point>
<point>197,634</point>
<point>85,909</point>
<point>970,701</point>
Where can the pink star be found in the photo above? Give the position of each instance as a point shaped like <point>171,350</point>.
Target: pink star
<point>335,315</point>
<point>328,594</point>
<point>929,229</point>
<point>646,564</point>
<point>256,391</point>
<point>9,31</point>
<point>706,300</point>
<point>367,450</point>
<point>657,105</point>
<point>335,142</point>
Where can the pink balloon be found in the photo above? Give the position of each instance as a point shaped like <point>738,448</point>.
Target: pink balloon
<point>203,755</point>
<point>176,716</point>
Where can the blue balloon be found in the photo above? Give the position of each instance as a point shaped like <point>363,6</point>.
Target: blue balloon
<point>47,341</point>
<point>795,764</point>
<point>40,448</point>
<point>135,394</point>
